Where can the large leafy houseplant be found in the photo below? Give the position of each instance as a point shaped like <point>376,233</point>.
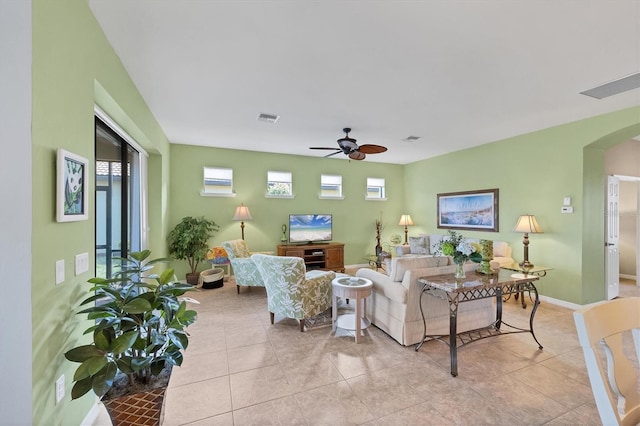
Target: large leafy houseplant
<point>140,326</point>
<point>189,241</point>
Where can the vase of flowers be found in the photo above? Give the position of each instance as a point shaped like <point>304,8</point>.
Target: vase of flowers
<point>460,249</point>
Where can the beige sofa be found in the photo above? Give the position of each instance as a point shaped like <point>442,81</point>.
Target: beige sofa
<point>394,306</point>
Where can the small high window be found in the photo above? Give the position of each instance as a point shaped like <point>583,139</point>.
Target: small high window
<point>218,182</point>
<point>279,185</point>
<point>331,186</point>
<point>375,189</point>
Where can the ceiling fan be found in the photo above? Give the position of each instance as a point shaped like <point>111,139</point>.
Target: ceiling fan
<point>349,147</point>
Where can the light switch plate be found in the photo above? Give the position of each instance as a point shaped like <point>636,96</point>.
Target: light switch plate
<point>60,389</point>
<point>82,263</point>
<point>566,201</point>
<point>59,271</point>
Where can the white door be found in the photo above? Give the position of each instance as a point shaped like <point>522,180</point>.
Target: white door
<point>612,257</point>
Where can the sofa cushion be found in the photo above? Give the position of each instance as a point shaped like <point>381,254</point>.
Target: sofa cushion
<point>399,265</point>
<point>419,244</point>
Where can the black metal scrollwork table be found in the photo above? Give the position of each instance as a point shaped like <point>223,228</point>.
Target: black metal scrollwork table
<point>476,286</point>
<point>540,271</point>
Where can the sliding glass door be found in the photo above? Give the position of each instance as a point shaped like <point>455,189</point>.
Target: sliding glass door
<point>118,215</point>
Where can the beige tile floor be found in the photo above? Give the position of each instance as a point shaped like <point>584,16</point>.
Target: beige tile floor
<point>241,370</point>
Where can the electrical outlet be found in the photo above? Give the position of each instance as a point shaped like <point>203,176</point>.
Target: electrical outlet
<point>82,263</point>
<point>60,389</point>
<point>60,271</point>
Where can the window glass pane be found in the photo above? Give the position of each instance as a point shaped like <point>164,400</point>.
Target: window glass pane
<point>330,185</point>
<point>279,183</point>
<point>217,180</point>
<point>375,188</point>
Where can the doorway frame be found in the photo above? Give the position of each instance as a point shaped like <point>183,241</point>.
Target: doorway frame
<point>144,157</point>
<point>593,211</point>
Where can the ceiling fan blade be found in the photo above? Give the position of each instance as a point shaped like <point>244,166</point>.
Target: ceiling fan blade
<point>332,154</point>
<point>357,155</point>
<point>324,147</point>
<point>372,149</point>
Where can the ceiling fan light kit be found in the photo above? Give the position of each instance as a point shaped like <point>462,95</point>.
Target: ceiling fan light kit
<point>350,148</point>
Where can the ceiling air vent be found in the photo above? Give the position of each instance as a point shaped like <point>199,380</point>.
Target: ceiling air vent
<point>411,138</point>
<point>614,87</point>
<point>269,118</point>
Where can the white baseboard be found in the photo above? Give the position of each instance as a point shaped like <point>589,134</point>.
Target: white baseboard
<point>357,266</point>
<point>629,277</point>
<point>92,415</point>
<point>558,302</point>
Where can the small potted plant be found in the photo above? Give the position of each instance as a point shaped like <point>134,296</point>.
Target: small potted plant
<point>189,241</point>
<point>139,331</point>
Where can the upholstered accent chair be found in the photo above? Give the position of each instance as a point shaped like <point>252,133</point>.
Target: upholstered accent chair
<point>292,291</point>
<point>245,271</point>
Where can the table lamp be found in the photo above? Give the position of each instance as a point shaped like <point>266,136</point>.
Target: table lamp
<point>242,214</point>
<point>527,223</point>
<point>405,220</point>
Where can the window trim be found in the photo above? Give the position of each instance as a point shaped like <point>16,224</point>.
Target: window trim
<point>331,197</point>
<point>205,193</point>
<point>383,190</point>
<point>290,182</point>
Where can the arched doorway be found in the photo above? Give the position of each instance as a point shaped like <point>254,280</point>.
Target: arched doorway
<point>593,215</point>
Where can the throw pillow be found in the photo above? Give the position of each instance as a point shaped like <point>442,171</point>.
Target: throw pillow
<point>419,245</point>
<point>435,240</point>
<point>500,249</point>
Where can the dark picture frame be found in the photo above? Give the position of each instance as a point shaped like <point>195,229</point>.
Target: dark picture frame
<point>72,197</point>
<point>469,210</point>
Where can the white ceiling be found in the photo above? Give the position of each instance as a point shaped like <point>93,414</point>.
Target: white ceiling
<point>456,73</point>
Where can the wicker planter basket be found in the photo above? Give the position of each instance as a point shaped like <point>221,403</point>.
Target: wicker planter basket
<point>212,278</point>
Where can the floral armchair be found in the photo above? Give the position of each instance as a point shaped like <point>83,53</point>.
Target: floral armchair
<point>292,291</point>
<point>245,271</point>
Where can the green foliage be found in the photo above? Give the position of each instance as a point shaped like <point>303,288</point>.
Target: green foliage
<point>140,326</point>
<point>456,246</point>
<point>279,188</point>
<point>189,240</point>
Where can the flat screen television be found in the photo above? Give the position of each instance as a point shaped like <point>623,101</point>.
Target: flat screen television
<point>310,228</point>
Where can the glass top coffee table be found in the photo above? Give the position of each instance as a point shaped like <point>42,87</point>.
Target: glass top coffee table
<point>353,288</point>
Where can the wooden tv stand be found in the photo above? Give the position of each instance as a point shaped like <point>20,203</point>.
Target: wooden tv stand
<point>326,256</point>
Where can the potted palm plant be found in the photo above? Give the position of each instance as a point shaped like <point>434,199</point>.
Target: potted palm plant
<point>139,331</point>
<point>189,241</point>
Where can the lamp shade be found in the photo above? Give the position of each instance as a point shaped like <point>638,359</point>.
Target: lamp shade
<point>405,220</point>
<point>527,223</point>
<point>242,213</point>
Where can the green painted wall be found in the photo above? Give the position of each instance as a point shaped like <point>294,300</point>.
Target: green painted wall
<point>353,218</point>
<point>534,172</point>
<point>74,67</point>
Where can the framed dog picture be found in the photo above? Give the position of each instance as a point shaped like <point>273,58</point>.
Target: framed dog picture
<point>72,199</point>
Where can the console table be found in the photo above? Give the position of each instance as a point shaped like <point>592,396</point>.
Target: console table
<point>476,286</point>
<point>329,256</point>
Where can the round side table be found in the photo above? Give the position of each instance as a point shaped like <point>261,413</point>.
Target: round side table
<point>352,288</point>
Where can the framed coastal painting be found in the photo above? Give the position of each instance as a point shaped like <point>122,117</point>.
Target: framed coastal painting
<point>72,199</point>
<point>471,210</point>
